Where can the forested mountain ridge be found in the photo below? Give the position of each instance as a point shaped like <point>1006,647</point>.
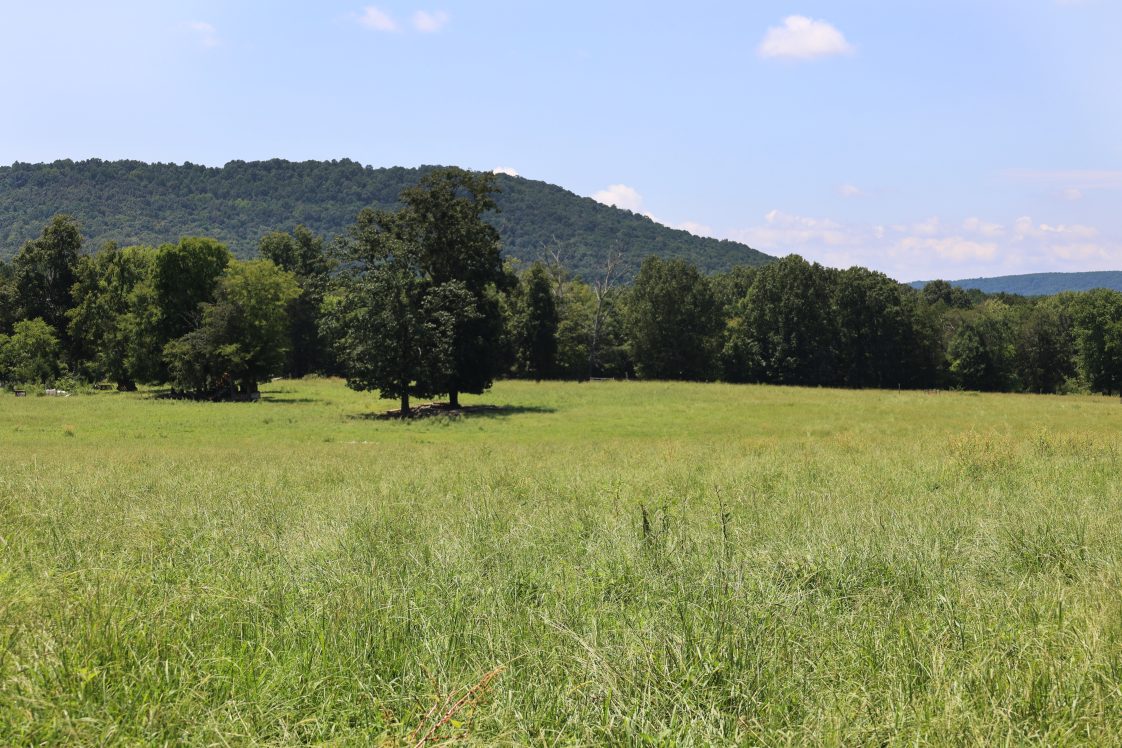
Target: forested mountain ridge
<point>1040,284</point>
<point>132,202</point>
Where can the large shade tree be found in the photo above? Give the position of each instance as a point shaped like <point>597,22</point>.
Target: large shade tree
<point>394,328</point>
<point>453,254</point>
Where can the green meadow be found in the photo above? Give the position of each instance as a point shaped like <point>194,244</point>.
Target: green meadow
<point>588,564</point>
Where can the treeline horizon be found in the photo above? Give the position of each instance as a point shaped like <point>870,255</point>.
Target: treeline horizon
<point>409,306</point>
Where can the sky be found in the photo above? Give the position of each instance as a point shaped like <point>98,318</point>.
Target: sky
<point>921,138</point>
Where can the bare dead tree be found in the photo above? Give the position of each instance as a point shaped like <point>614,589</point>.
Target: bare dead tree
<point>601,289</point>
<point>556,266</point>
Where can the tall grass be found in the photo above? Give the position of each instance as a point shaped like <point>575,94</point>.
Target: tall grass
<point>594,564</point>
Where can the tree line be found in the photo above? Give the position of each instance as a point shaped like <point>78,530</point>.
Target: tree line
<point>417,302</point>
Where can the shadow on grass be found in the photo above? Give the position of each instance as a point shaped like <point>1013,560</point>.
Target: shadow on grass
<point>167,393</point>
<point>289,400</point>
<point>438,410</point>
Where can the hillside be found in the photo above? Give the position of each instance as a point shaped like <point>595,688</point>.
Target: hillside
<point>131,202</point>
<point>1041,284</point>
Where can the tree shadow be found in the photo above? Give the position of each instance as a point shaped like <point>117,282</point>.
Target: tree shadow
<point>442,410</point>
<point>275,400</point>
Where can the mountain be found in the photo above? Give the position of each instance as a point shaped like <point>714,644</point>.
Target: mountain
<point>1040,284</point>
<point>131,202</point>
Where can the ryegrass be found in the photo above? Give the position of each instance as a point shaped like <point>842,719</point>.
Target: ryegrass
<point>815,566</point>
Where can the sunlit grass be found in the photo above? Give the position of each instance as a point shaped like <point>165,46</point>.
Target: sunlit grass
<point>816,566</point>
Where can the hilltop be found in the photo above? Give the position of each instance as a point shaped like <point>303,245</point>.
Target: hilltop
<point>1040,284</point>
<point>132,202</point>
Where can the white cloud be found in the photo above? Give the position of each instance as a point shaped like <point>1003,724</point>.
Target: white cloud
<point>620,196</point>
<point>953,248</point>
<point>430,22</point>
<point>934,248</point>
<point>984,228</point>
<point>509,171</point>
<point>1072,194</point>
<point>695,228</point>
<point>850,191</point>
<point>377,19</point>
<point>207,34</point>
<point>802,38</point>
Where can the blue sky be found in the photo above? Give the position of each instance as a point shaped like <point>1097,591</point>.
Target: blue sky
<point>945,138</point>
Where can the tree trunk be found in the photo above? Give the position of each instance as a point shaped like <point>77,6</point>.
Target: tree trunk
<point>405,411</point>
<point>453,399</point>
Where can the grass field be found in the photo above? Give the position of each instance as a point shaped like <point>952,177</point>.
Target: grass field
<point>814,566</point>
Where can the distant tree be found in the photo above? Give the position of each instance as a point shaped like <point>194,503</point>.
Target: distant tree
<point>186,276</point>
<point>731,287</point>
<point>243,337</point>
<point>673,321</point>
<point>1045,347</point>
<point>535,324</point>
<point>442,217</point>
<point>111,321</point>
<point>877,343</point>
<point>1098,330</point>
<point>941,292</point>
<point>8,301</point>
<point>43,274</point>
<point>30,354</point>
<point>982,351</point>
<point>784,331</point>
<point>302,253</point>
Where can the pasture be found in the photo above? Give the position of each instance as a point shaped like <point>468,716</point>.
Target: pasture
<point>606,563</point>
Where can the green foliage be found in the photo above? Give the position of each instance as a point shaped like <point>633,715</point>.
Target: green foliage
<point>673,322</point>
<point>535,322</point>
<point>1045,346</point>
<point>982,350</point>
<point>393,328</point>
<point>878,343</point>
<point>9,306</point>
<point>112,323</point>
<point>442,220</point>
<point>31,354</point>
<point>1099,339</point>
<point>942,292</point>
<point>302,254</point>
<point>784,329</point>
<point>243,334</point>
<point>130,202</point>
<point>186,277</point>
<point>43,273</point>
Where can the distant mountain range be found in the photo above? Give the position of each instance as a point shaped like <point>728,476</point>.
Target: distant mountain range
<point>131,202</point>
<point>1040,284</point>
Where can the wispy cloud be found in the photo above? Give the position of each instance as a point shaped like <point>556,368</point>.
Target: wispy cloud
<point>377,19</point>
<point>205,32</point>
<point>850,191</point>
<point>802,38</point>
<point>429,22</point>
